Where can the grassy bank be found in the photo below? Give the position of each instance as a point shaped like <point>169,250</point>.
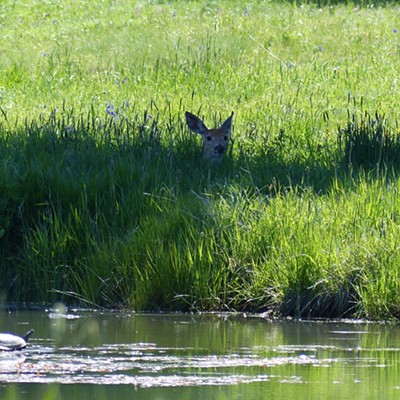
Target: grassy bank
<point>105,199</point>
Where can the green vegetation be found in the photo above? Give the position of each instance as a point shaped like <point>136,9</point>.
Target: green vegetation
<point>105,199</point>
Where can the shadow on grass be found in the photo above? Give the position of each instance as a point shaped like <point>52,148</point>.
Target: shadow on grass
<point>74,193</point>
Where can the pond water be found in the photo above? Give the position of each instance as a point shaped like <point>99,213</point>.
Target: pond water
<point>105,355</point>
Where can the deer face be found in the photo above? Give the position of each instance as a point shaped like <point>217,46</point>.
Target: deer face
<point>215,141</point>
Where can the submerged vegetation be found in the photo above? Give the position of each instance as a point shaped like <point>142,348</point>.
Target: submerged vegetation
<point>106,200</point>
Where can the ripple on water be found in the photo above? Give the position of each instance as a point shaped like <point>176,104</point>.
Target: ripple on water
<point>144,365</point>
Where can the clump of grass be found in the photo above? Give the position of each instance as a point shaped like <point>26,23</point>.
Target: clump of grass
<point>368,142</point>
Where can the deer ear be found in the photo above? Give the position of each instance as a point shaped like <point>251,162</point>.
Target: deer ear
<point>226,126</point>
<point>195,124</point>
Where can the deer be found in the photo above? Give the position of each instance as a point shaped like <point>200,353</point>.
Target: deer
<point>215,141</point>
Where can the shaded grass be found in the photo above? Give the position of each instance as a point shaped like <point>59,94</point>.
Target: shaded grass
<point>369,142</point>
<point>125,219</point>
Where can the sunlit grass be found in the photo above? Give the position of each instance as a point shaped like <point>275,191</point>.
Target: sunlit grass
<point>105,199</point>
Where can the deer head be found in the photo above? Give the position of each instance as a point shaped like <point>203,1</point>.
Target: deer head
<point>215,141</point>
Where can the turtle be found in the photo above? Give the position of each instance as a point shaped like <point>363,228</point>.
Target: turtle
<point>9,342</point>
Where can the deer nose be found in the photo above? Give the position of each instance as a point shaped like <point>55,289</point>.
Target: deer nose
<point>219,149</point>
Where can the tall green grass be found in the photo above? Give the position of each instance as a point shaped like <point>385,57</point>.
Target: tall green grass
<point>105,199</point>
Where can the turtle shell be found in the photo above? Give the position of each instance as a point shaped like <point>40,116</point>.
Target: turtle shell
<point>9,342</point>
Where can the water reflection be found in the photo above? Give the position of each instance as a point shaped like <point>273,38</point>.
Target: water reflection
<point>218,356</point>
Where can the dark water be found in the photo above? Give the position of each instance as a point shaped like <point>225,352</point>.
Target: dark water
<point>86,354</point>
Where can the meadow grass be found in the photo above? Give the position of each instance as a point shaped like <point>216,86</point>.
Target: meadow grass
<point>105,199</point>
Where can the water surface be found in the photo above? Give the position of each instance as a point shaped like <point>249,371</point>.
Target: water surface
<point>82,354</point>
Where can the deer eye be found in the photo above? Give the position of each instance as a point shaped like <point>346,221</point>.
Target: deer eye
<point>209,138</point>
<point>226,138</point>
